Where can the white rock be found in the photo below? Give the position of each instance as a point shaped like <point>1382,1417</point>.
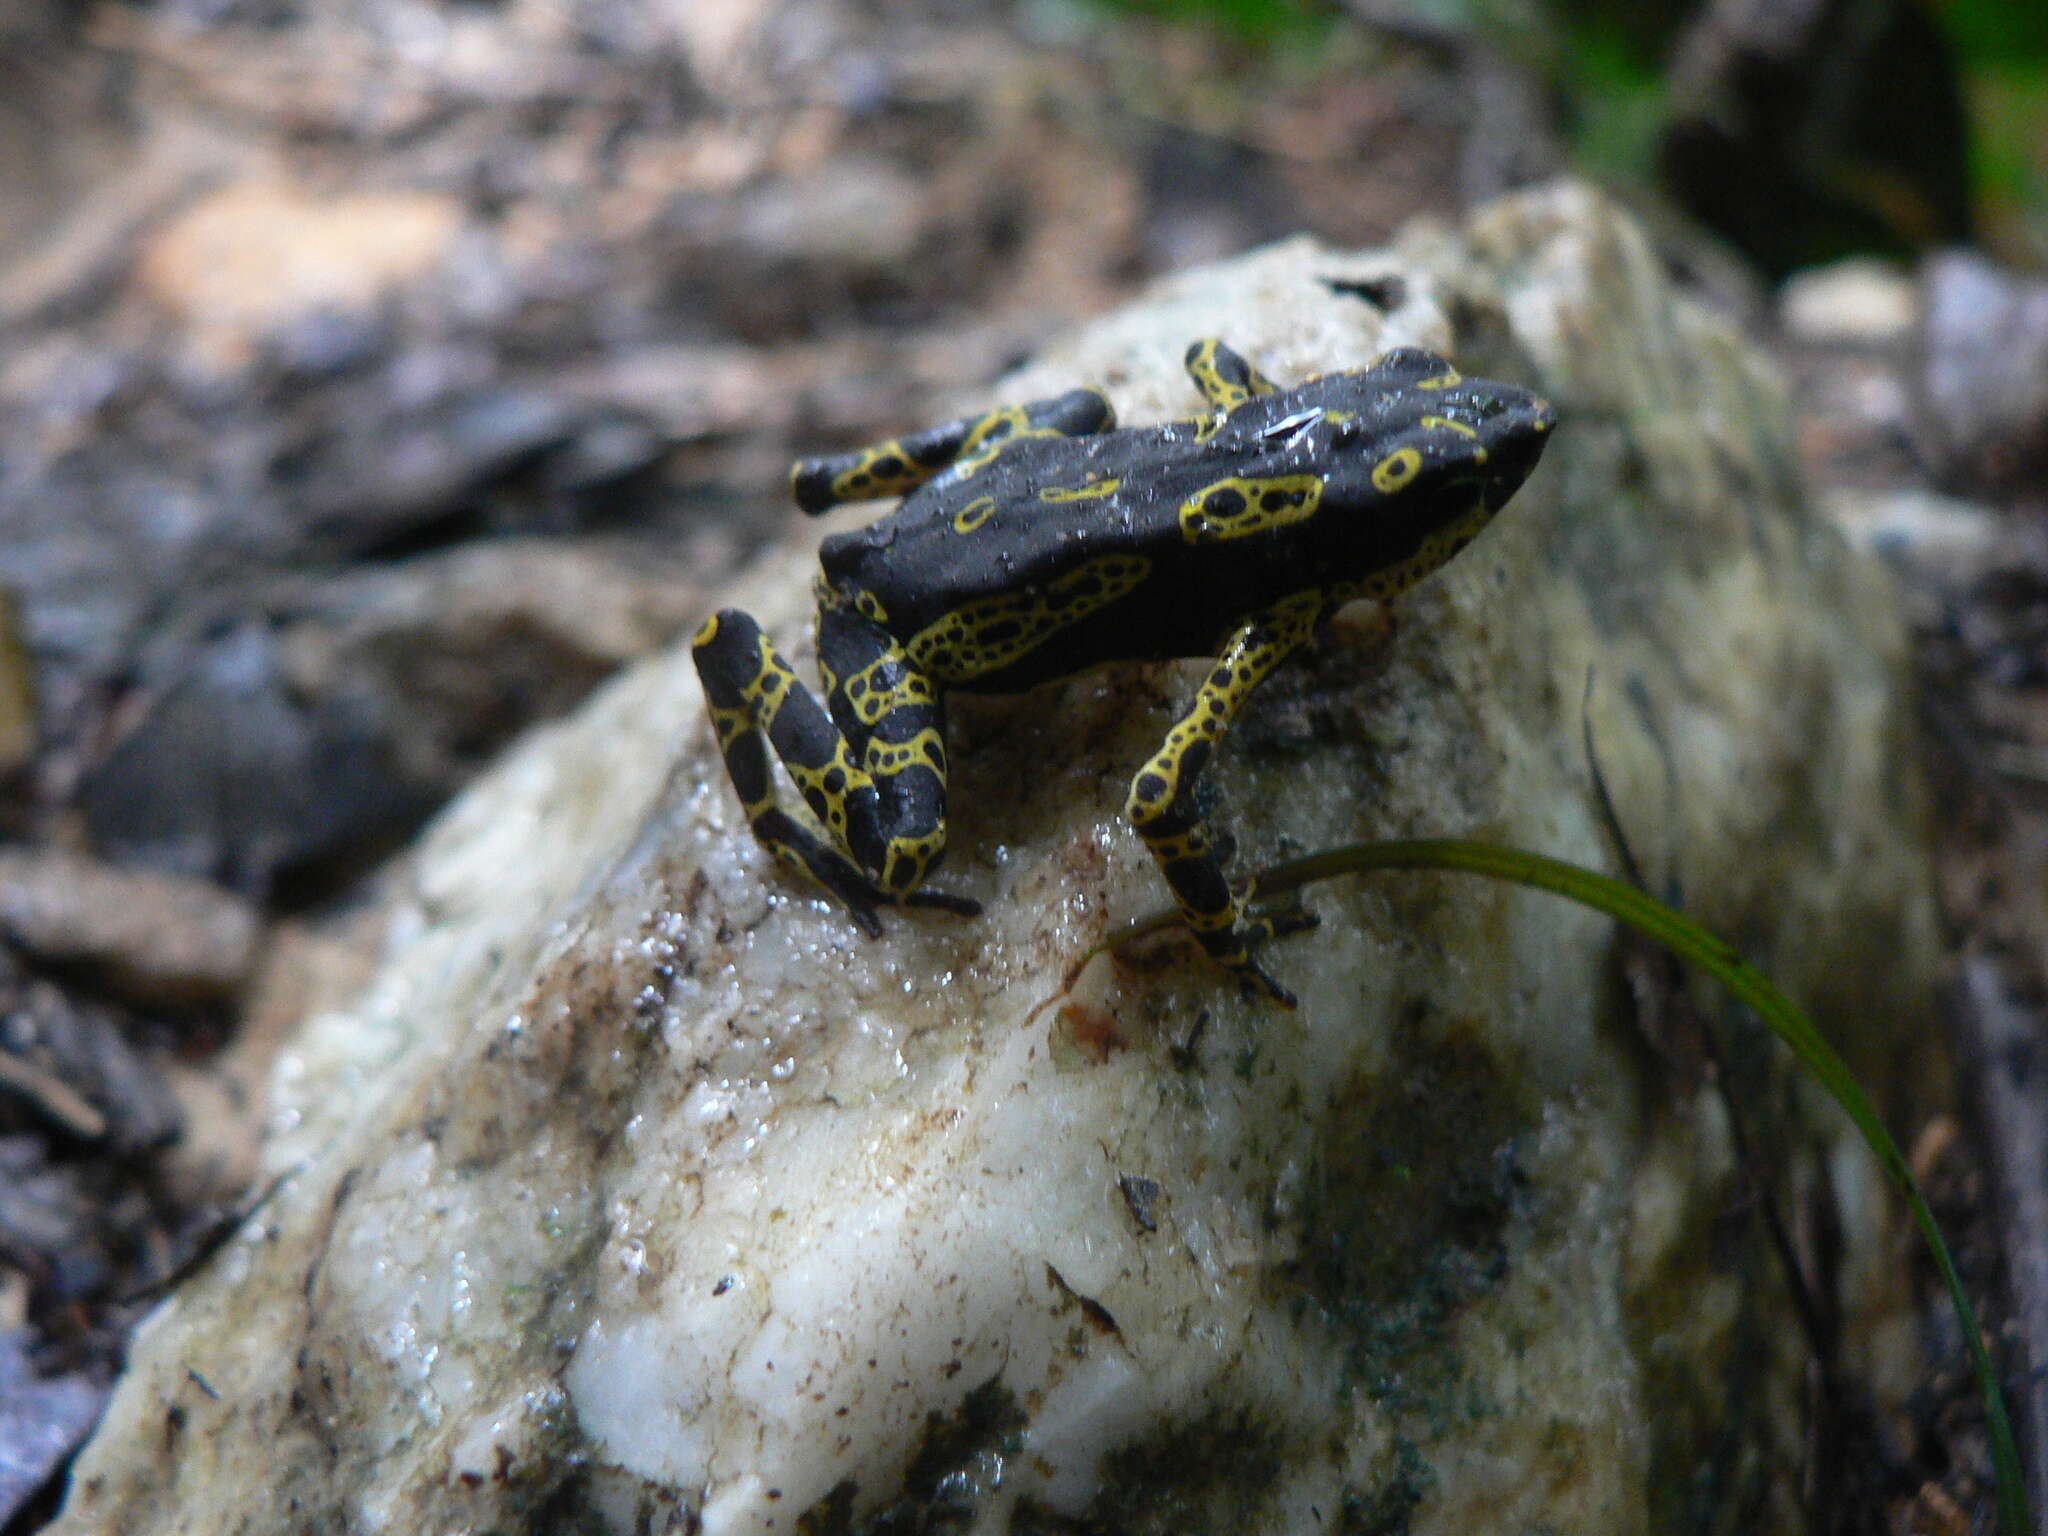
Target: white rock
<point>1861,301</point>
<point>640,1193</point>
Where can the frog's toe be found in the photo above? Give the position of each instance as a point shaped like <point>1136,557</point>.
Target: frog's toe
<point>854,891</point>
<point>1290,920</point>
<point>1235,949</point>
<point>1256,979</point>
<point>945,901</point>
<point>863,912</point>
<point>1280,921</point>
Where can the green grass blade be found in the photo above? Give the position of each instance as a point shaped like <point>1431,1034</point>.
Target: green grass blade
<point>1689,941</point>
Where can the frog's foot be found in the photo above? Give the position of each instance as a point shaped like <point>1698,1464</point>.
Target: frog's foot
<point>1255,978</point>
<point>799,848</point>
<point>1234,947</point>
<point>863,898</point>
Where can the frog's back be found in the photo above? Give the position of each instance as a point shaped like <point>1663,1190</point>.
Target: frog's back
<point>1059,553</point>
<point>1039,512</point>
<point>1063,553</point>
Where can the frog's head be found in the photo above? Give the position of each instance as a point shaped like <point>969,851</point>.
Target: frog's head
<point>1426,455</point>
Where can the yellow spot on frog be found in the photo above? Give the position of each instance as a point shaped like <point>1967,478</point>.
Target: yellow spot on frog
<point>873,694</point>
<point>992,632</point>
<point>886,469</point>
<point>887,759</point>
<point>1240,504</point>
<point>1393,473</point>
<point>996,432</point>
<point>974,514</point>
<point>1224,393</point>
<point>1442,380</point>
<point>1444,423</point>
<point>907,858</point>
<point>1079,492</point>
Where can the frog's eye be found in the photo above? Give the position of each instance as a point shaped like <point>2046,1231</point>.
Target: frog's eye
<point>1426,369</point>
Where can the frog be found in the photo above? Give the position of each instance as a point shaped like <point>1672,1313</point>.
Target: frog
<point>1036,542</point>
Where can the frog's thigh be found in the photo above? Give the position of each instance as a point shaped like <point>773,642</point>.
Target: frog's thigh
<point>756,702</point>
<point>1225,379</point>
<point>892,715</point>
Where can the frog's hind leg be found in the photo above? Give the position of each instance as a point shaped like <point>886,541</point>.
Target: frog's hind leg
<point>1225,379</point>
<point>904,463</point>
<point>1162,802</point>
<point>891,716</point>
<point>757,704</point>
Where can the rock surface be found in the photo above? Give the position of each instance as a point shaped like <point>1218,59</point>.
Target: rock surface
<point>637,1192</point>
<point>1984,373</point>
<point>154,938</point>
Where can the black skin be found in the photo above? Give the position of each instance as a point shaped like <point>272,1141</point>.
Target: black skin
<point>1035,542</point>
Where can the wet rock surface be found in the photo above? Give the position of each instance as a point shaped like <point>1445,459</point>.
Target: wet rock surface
<point>637,1191</point>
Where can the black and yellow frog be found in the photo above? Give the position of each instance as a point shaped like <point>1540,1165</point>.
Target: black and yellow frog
<point>1037,541</point>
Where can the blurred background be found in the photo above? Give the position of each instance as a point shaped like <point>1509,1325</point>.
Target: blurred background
<point>376,376</point>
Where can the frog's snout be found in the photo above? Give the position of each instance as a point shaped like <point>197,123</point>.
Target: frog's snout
<point>1515,436</point>
<point>1526,423</point>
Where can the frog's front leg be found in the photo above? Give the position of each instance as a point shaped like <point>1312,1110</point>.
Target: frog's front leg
<point>757,703</point>
<point>1223,376</point>
<point>904,463</point>
<point>1162,804</point>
